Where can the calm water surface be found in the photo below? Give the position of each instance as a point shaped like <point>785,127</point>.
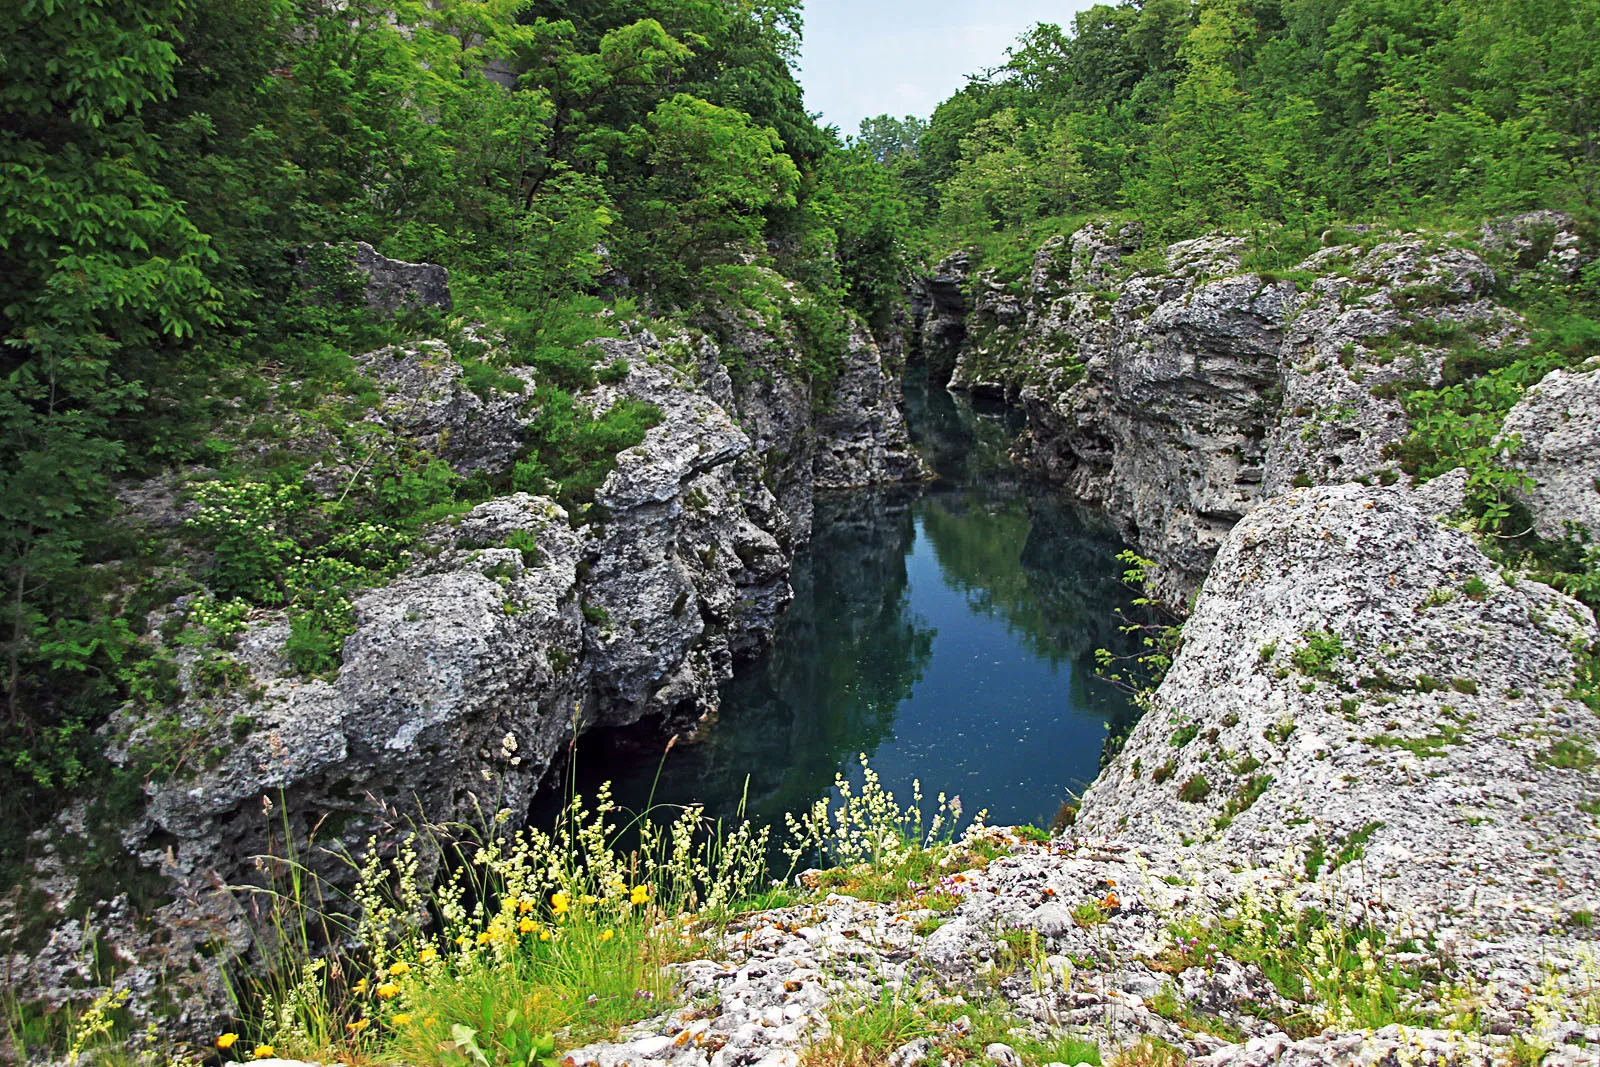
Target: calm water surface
<point>948,632</point>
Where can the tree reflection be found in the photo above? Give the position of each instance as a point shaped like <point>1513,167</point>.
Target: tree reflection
<point>850,651</point>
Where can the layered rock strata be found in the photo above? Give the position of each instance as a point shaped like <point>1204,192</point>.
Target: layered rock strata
<point>1178,389</point>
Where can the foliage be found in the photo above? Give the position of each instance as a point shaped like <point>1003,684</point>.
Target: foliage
<point>1161,636</point>
<point>1197,113</point>
<point>182,180</point>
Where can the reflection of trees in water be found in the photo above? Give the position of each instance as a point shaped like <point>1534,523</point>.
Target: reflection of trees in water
<point>1044,565</point>
<point>845,655</point>
<point>844,658</point>
<point>849,651</point>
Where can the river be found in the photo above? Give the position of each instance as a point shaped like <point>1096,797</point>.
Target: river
<point>946,631</point>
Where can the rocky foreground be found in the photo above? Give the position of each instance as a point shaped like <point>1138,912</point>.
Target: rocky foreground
<point>1412,783</point>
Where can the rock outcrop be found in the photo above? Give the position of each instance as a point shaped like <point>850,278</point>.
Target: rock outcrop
<point>1557,430</point>
<point>847,431</point>
<point>939,315</point>
<point>1361,690</point>
<point>507,632</point>
<point>1180,393</point>
<point>393,285</point>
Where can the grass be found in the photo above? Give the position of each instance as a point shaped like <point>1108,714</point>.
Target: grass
<point>1569,755</point>
<point>866,1031</point>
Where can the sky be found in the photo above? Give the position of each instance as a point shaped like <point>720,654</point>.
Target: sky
<point>902,57</point>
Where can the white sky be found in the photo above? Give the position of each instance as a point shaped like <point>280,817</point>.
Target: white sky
<point>900,57</point>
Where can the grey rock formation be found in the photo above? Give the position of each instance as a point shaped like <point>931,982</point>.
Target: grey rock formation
<point>460,681</point>
<point>508,631</point>
<point>393,285</point>
<point>849,432</point>
<point>939,315</point>
<point>426,402</point>
<point>1546,241</point>
<point>1179,398</point>
<point>691,569</point>
<point>861,429</point>
<point>1359,679</point>
<point>1557,427</point>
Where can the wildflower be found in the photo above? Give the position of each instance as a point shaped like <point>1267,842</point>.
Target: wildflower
<point>264,1052</point>
<point>225,1041</point>
<point>544,935</point>
<point>361,986</point>
<point>358,1026</point>
<point>559,903</point>
<point>639,894</point>
<point>527,926</point>
<point>524,906</point>
<point>388,991</point>
<point>588,898</point>
<point>485,937</point>
<point>428,955</point>
<point>1110,900</point>
<point>608,935</point>
<point>400,1019</point>
<point>398,969</point>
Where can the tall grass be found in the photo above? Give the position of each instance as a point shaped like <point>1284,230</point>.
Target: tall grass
<point>531,933</point>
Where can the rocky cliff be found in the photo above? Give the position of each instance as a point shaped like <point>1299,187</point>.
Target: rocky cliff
<point>1369,731</point>
<point>509,631</point>
<point>1178,388</point>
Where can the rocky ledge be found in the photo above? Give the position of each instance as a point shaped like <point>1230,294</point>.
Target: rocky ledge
<point>1178,388</point>
<point>509,631</point>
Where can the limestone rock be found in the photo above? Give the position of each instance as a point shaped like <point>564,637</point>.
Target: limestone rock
<point>861,430</point>
<point>1358,682</point>
<point>1181,397</point>
<point>939,315</point>
<point>426,401</point>
<point>393,285</point>
<point>1557,425</point>
<point>1538,241</point>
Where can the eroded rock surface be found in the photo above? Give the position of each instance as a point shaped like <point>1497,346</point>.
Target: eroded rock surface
<point>1359,683</point>
<point>1557,427</point>
<point>393,285</point>
<point>1182,394</point>
<point>506,632</point>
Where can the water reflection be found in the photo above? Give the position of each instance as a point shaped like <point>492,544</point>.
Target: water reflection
<point>948,631</point>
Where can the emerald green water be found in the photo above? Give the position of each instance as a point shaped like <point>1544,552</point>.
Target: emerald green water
<point>946,631</point>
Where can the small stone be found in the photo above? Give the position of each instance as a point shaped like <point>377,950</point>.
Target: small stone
<point>1003,1055</point>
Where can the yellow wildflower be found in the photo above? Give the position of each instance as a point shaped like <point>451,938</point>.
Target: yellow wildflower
<point>524,906</point>
<point>560,903</point>
<point>544,935</point>
<point>398,969</point>
<point>428,955</point>
<point>608,935</point>
<point>225,1041</point>
<point>358,1026</point>
<point>401,1019</point>
<point>361,986</point>
<point>388,991</point>
<point>639,894</point>
<point>485,937</point>
<point>527,926</point>
<point>264,1052</point>
<point>589,898</point>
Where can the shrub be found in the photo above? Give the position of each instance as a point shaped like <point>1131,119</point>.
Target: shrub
<point>1194,790</point>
